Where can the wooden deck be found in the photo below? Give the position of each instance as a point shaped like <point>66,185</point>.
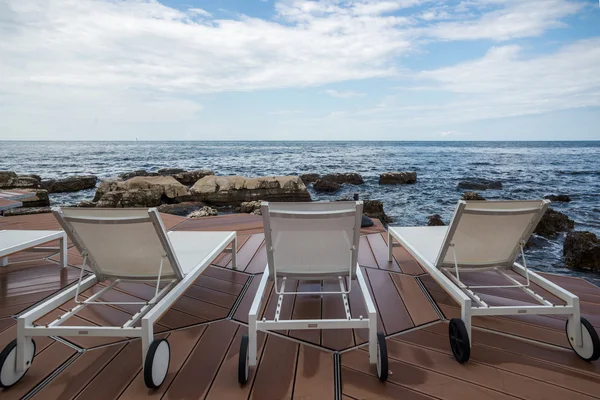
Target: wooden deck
<point>524,357</point>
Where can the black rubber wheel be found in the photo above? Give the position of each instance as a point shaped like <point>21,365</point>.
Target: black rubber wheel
<point>9,377</point>
<point>156,366</point>
<point>459,340</point>
<point>590,350</point>
<point>244,358</point>
<point>382,358</point>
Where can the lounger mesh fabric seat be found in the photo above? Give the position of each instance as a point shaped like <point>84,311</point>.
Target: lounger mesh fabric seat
<point>312,241</point>
<point>490,236</point>
<point>121,245</point>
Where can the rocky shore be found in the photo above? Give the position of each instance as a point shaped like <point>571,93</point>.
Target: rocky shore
<point>201,193</point>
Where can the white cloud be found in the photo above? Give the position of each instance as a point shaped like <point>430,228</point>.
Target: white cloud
<point>343,94</point>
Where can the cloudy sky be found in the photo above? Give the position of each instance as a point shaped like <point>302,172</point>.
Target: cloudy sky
<point>299,70</point>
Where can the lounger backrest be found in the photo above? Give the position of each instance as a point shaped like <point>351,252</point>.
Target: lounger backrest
<point>120,243</point>
<point>489,233</point>
<point>312,240</point>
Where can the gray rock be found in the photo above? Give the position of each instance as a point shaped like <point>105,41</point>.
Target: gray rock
<point>558,198</point>
<point>205,211</point>
<point>188,178</point>
<point>472,196</point>
<point>170,171</point>
<point>322,185</point>
<point>70,184</point>
<point>398,178</point>
<point>435,220</point>
<point>479,184</point>
<point>347,177</point>
<point>139,172</point>
<point>39,199</point>
<point>374,209</point>
<point>233,190</point>
<point>10,180</point>
<point>309,178</point>
<point>26,211</point>
<point>582,251</point>
<point>86,204</point>
<point>140,191</point>
<point>181,209</point>
<point>552,223</point>
<point>251,207</point>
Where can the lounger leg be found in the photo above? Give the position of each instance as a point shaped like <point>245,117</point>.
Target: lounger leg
<point>390,246</point>
<point>373,338</point>
<point>575,324</point>
<point>466,318</point>
<point>3,261</point>
<point>63,251</point>
<point>234,253</point>
<point>21,340</point>
<point>147,337</point>
<point>252,341</point>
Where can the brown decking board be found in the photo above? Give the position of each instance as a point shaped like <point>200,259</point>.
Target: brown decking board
<point>204,354</point>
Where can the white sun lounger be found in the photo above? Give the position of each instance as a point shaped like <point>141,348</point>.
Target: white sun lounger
<point>489,236</point>
<point>120,245</point>
<point>14,241</point>
<point>312,241</point>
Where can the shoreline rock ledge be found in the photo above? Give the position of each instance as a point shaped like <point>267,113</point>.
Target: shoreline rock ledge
<point>233,190</point>
<point>398,178</point>
<point>582,251</point>
<point>70,184</point>
<point>140,191</point>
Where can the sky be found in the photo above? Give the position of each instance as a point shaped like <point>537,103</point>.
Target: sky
<point>299,70</point>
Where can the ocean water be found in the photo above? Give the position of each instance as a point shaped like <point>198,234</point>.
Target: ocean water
<point>528,170</point>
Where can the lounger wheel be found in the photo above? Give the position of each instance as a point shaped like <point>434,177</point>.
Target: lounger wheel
<point>382,357</point>
<point>590,349</point>
<point>244,358</point>
<point>459,340</point>
<point>156,366</point>
<point>8,363</point>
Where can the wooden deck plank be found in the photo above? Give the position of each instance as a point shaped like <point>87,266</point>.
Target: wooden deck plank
<point>379,248</point>
<point>358,309</point>
<point>307,307</point>
<point>361,386</point>
<point>233,288</point>
<point>247,252</point>
<point>314,375</point>
<point>196,376</point>
<point>405,261</point>
<point>333,308</point>
<point>365,255</point>
<point>393,312</point>
<point>71,381</point>
<point>6,323</point>
<point>536,378</point>
<point>225,258</point>
<point>276,372</point>
<point>226,275</point>
<point>258,262</point>
<point>241,313</point>
<point>44,364</point>
<point>420,309</point>
<point>174,319</point>
<point>200,309</point>
<point>211,296</point>
<point>420,379</point>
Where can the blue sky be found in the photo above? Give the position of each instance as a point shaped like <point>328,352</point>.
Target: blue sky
<point>300,70</point>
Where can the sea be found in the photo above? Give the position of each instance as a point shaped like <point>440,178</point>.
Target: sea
<point>527,170</point>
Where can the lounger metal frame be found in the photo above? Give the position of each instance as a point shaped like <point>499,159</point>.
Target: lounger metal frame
<point>150,311</point>
<point>370,322</point>
<point>471,304</point>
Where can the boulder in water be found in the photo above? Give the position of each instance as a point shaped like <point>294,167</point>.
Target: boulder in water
<point>309,178</point>
<point>70,184</point>
<point>435,220</point>
<point>233,190</point>
<point>582,251</point>
<point>558,198</point>
<point>398,178</point>
<point>479,184</point>
<point>347,177</point>
<point>374,209</point>
<point>552,223</point>
<point>322,185</point>
<point>181,209</point>
<point>10,180</point>
<point>205,211</point>
<point>139,172</point>
<point>472,196</point>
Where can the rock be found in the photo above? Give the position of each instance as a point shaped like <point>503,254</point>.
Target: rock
<point>309,178</point>
<point>140,191</point>
<point>70,184</point>
<point>435,220</point>
<point>26,211</point>
<point>472,196</point>
<point>188,178</point>
<point>10,180</point>
<point>139,172</point>
<point>553,222</point>
<point>170,171</point>
<point>558,197</point>
<point>396,178</point>
<point>322,185</point>
<point>205,211</point>
<point>479,184</point>
<point>33,176</point>
<point>40,199</point>
<point>181,209</point>
<point>233,190</point>
<point>349,177</point>
<point>582,251</point>
<point>251,207</point>
<point>374,209</point>
<point>86,204</point>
